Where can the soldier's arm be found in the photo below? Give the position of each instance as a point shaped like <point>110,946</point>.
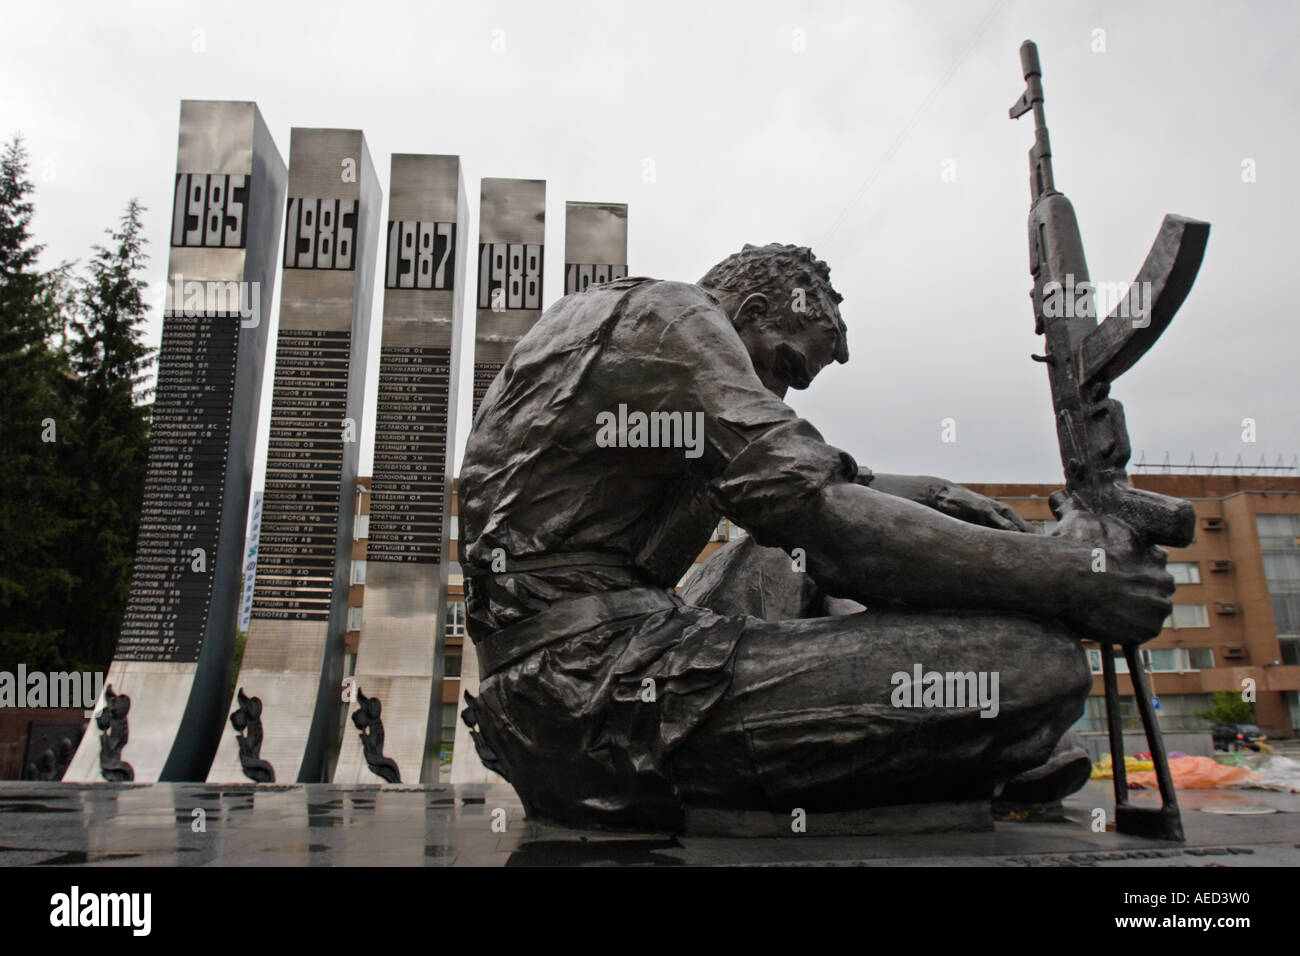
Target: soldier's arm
<point>775,475</point>
<point>882,550</point>
<point>947,497</point>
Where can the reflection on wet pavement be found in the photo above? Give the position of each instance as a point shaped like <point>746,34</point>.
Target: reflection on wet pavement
<point>58,824</point>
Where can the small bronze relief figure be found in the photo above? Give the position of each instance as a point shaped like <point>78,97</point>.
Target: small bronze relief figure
<point>366,717</point>
<point>112,721</point>
<point>247,721</point>
<point>485,753</point>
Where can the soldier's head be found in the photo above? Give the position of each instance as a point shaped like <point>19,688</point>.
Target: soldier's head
<point>781,301</point>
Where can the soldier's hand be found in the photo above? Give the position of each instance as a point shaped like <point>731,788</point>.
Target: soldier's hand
<point>1123,588</point>
<point>965,505</point>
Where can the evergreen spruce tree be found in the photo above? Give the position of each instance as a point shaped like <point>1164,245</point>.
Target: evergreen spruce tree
<point>37,391</point>
<point>112,436</point>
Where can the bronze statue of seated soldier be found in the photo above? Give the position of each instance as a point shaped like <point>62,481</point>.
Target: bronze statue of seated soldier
<point>608,699</point>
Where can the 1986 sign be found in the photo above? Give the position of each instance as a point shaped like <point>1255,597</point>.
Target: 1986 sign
<point>319,234</point>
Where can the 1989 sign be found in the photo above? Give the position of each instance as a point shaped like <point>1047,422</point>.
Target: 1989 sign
<point>578,276</point>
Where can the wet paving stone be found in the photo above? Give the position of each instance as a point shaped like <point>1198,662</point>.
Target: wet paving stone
<point>374,825</point>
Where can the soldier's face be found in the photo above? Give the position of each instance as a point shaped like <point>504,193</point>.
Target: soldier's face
<point>787,351</point>
<point>785,359</point>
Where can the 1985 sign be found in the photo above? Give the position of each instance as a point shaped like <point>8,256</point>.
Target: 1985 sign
<point>209,210</point>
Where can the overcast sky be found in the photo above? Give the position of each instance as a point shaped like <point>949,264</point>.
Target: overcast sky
<point>828,124</point>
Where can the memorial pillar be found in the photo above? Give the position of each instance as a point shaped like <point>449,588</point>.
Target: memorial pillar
<point>595,244</point>
<point>511,247</point>
<point>595,250</point>
<point>174,653</point>
<point>511,244</point>
<point>292,667</point>
<point>400,654</point>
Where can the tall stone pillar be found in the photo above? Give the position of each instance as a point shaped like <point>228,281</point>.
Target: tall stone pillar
<point>595,250</point>
<point>399,658</point>
<point>511,254</point>
<point>292,669</point>
<point>595,244</point>
<point>174,653</point>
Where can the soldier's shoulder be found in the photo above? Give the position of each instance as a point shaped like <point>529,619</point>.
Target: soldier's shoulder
<point>669,292</point>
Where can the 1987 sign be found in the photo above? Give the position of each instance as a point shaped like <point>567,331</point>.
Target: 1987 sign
<point>421,255</point>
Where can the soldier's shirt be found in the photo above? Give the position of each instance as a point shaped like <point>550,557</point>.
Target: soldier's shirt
<point>535,481</point>
<point>566,721</point>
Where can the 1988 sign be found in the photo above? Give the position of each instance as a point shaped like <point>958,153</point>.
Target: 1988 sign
<point>509,275</point>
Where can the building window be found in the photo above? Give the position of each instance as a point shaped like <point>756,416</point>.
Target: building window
<point>1286,613</point>
<point>1185,572</point>
<point>455,622</point>
<point>1094,661</point>
<point>1159,660</point>
<point>1279,545</point>
<point>361,528</point>
<point>1290,650</point>
<point>1188,615</point>
<point>453,527</point>
<point>455,574</point>
<point>354,619</point>
<point>448,736</point>
<point>1093,720</point>
<point>720,532</point>
<point>1044,525</point>
<point>1180,712</point>
<point>690,573</point>
<point>1164,659</point>
<point>1278,532</point>
<point>349,665</point>
<point>1176,712</point>
<point>451,666</point>
<point>358,570</point>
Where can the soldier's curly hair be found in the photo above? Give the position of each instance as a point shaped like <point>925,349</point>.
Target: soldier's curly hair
<point>778,270</point>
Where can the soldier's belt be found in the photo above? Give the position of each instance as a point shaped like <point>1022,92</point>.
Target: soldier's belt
<point>566,619</point>
<point>564,559</point>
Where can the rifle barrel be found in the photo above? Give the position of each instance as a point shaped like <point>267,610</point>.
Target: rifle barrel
<point>1040,156</point>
